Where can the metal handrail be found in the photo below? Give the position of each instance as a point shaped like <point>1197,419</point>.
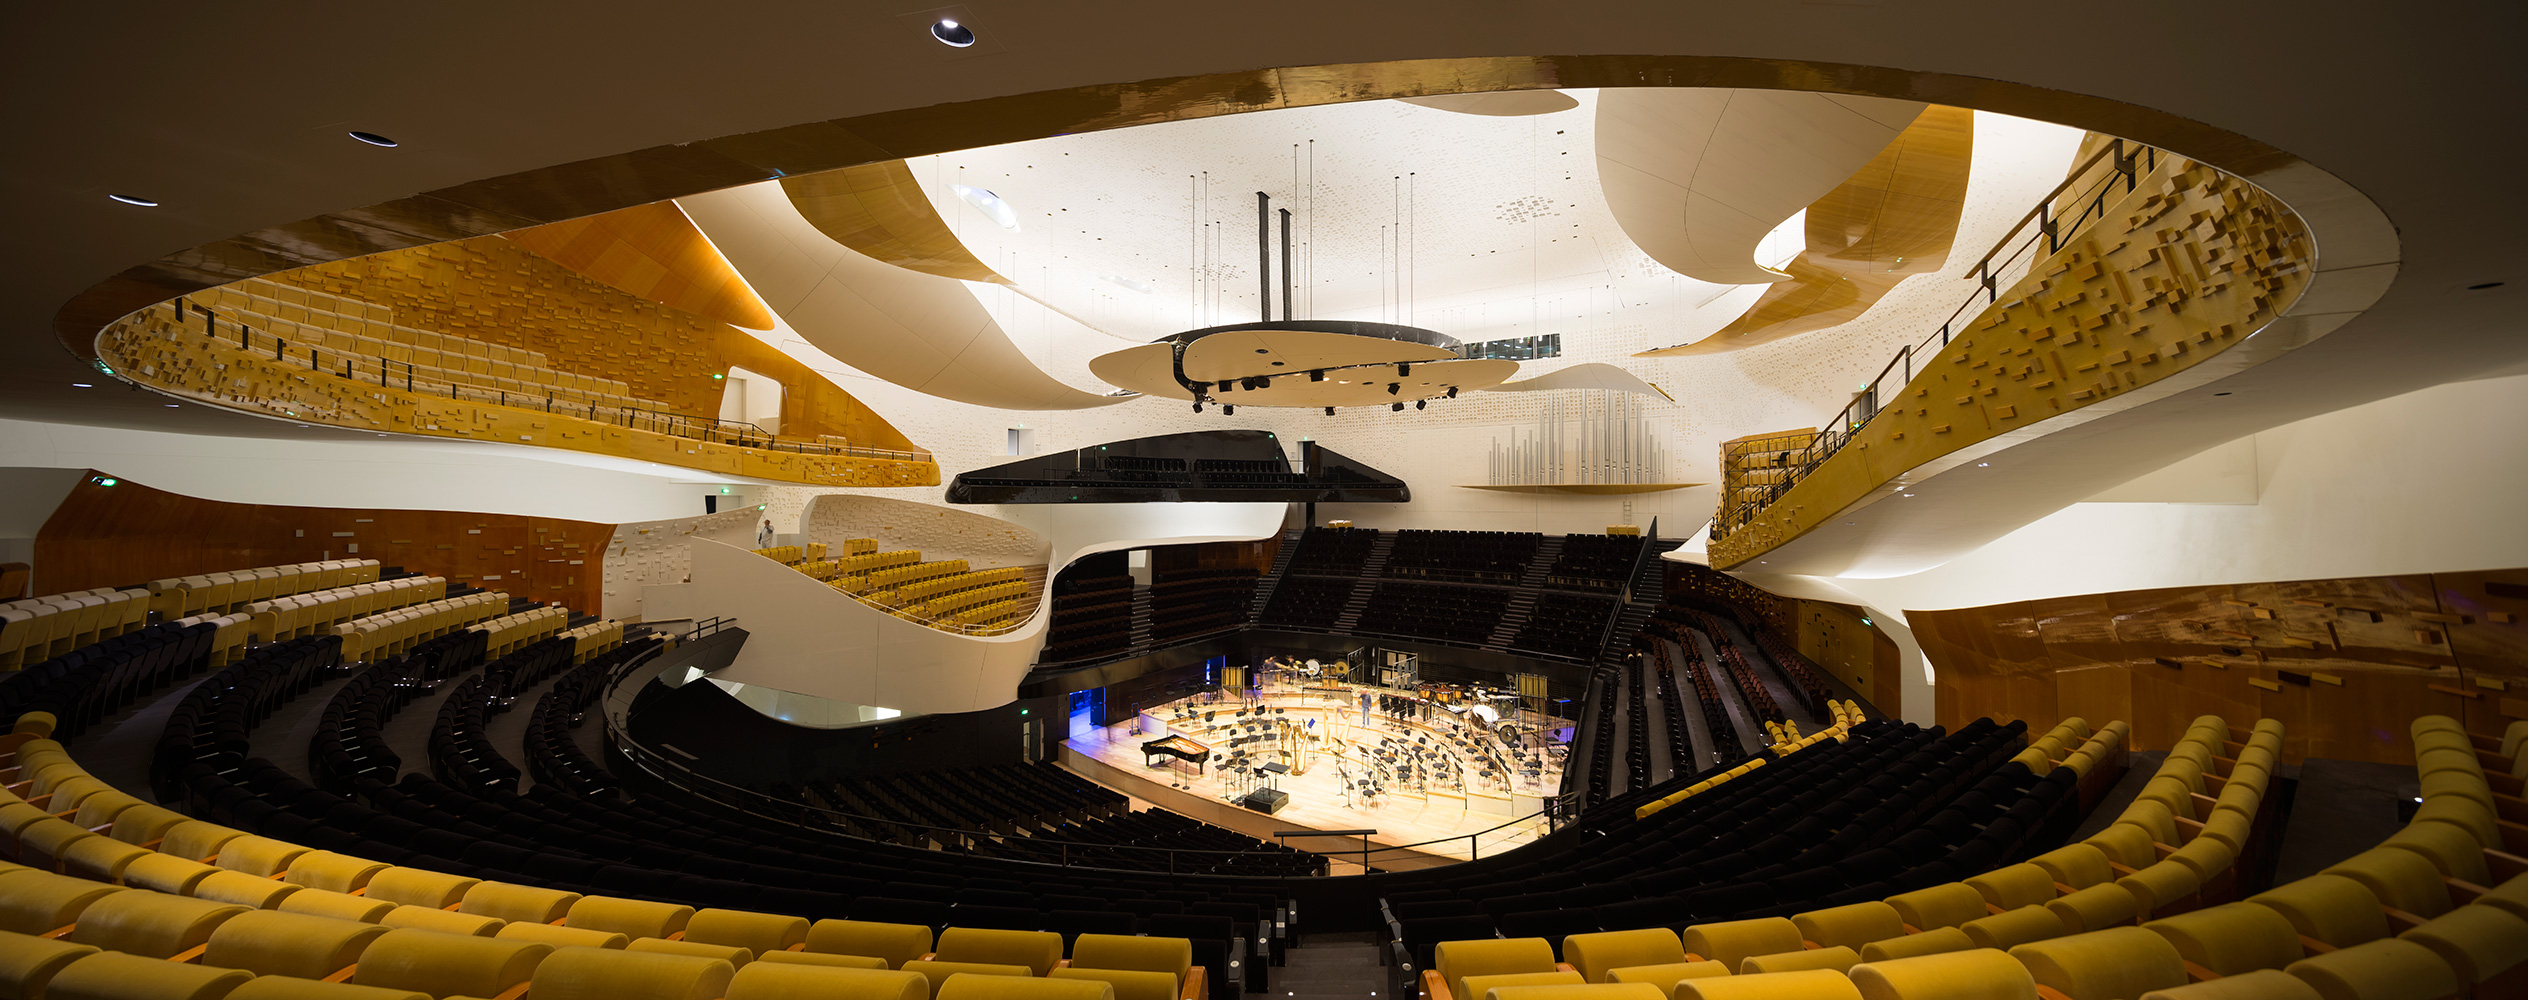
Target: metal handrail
<point>2051,231</point>
<point>707,429</point>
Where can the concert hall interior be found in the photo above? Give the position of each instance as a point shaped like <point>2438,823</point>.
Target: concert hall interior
<point>1902,501</point>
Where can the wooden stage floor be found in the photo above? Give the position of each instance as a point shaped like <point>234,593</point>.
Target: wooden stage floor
<point>1490,813</point>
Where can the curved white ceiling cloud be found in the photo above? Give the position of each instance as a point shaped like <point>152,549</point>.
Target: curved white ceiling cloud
<point>1697,177</point>
<point>1591,375</point>
<point>920,331</point>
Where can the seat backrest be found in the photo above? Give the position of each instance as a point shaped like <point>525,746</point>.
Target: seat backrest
<point>1171,955</point>
<point>1455,960</point>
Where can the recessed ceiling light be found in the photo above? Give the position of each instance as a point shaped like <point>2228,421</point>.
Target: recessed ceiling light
<point>2481,287</point>
<point>129,199</point>
<point>952,34</point>
<point>81,385</point>
<point>989,204</point>
<point>2220,394</point>
<point>171,406</point>
<point>374,139</point>
<point>1142,287</point>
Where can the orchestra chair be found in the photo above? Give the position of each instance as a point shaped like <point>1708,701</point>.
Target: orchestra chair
<point>602,974</point>
<point>1947,905</point>
<point>449,964</point>
<point>1128,984</point>
<point>2004,931</point>
<point>260,892</point>
<point>423,918</point>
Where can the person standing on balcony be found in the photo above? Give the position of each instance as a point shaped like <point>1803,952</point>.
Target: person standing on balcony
<point>763,536</point>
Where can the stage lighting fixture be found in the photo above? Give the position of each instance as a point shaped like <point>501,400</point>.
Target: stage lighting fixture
<point>1228,410</point>
<point>1198,406</point>
<point>1329,411</point>
<point>1391,388</point>
<point>1316,375</point>
<point>1452,392</point>
<point>1396,407</point>
<point>1403,370</point>
<point>1421,404</point>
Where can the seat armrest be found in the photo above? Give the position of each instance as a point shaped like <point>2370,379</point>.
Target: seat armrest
<point>1434,987</point>
<point>2504,865</point>
<point>2198,974</point>
<point>2314,946</point>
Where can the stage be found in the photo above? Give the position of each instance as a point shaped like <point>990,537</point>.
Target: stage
<point>1417,771</point>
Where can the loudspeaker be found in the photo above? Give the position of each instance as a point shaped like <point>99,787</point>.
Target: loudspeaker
<point>1267,800</point>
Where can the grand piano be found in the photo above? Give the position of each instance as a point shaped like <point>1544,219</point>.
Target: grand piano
<point>1178,747</point>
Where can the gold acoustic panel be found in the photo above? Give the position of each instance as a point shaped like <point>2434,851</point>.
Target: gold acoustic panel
<point>654,252</point>
<point>1500,104</point>
<point>1897,216</point>
<point>1287,356</point>
<point>878,210</point>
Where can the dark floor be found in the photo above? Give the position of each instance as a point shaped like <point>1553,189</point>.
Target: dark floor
<point>2340,808</point>
<point>2139,769</point>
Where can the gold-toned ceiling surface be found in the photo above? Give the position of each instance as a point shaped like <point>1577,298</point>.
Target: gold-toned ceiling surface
<point>1288,355</point>
<point>1897,216</point>
<point>878,210</point>
<point>1500,104</point>
<point>654,252</point>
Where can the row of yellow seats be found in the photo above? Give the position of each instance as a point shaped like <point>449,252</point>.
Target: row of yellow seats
<point>307,614</point>
<point>336,314</point>
<point>948,604</point>
<point>385,634</point>
<point>594,639</point>
<point>821,569</point>
<point>158,885</point>
<point>950,584</point>
<point>509,633</point>
<point>36,629</point>
<point>988,615</point>
<point>864,563</point>
<point>177,597</point>
<point>896,577</point>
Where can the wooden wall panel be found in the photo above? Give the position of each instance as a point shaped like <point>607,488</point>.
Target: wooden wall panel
<point>654,252</point>
<point>493,290</point>
<point>2345,664</point>
<point>127,534</point>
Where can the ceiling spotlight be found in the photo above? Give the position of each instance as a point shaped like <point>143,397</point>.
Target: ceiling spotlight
<point>81,385</point>
<point>1421,404</point>
<point>1392,387</point>
<point>952,34</point>
<point>1329,411</point>
<point>1396,407</point>
<point>1452,392</point>
<point>1198,406</point>
<point>133,200</point>
<point>374,139</point>
<point>1228,410</point>
<point>989,204</point>
<point>1316,375</point>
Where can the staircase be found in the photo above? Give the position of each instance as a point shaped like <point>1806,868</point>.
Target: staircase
<point>1522,604</point>
<point>1273,578</point>
<point>1547,553</point>
<point>1628,620</point>
<point>1371,569</point>
<point>1649,588</point>
<point>1141,614</point>
<point>1332,966</point>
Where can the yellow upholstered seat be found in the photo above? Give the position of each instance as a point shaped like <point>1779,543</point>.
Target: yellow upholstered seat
<point>763,932</point>
<point>2015,886</point>
<point>815,958</point>
<point>517,902</point>
<point>1455,960</point>
<point>939,972</point>
<point>895,943</point>
<point>166,873</point>
<point>561,937</point>
<point>423,918</point>
<point>1665,976</point>
<point>2095,908</point>
<point>2452,850</point>
<point>415,887</point>
<point>102,858</point>
<point>1838,958</point>
<point>1851,926</point>
<point>796,981</point>
<point>1931,942</point>
<point>2231,938</point>
<point>2480,943</point>
<point>293,988</point>
<point>261,856</point>
<point>1596,954</point>
<point>1037,950</point>
<point>2399,878</point>
<point>37,902</point>
<point>1975,974</point>
<point>43,842</point>
<point>1945,905</point>
<point>2464,813</point>
<point>2160,887</point>
<point>2206,857</point>
<point>2266,984</point>
<point>2170,793</point>
<point>632,917</point>
<point>2329,908</point>
<point>196,840</point>
<point>1729,942</point>
<point>2458,783</point>
<point>2014,927</point>
<point>2126,844</point>
<point>603,974</point>
<point>27,962</point>
<point>1171,955</point>
<point>271,943</point>
<point>144,824</point>
<point>986,987</point>
<point>1478,986</point>
<point>338,905</point>
<point>2076,865</point>
<point>448,964</point>
<point>2511,895</point>
<point>243,889</point>
<point>151,924</point>
<point>112,976</point>
<point>736,956</point>
<point>336,872</point>
<point>2385,969</point>
<point>2114,963</point>
<point>2231,828</point>
<point>1812,984</point>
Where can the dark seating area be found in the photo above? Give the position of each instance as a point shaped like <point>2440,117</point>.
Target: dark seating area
<point>1126,840</point>
<point>85,684</point>
<point>1451,614</point>
<point>1091,615</point>
<point>1498,557</point>
<point>1332,551</point>
<point>1594,562</point>
<point>1011,799</point>
<point>1308,602</point>
<point>1188,603</point>
<point>1565,625</point>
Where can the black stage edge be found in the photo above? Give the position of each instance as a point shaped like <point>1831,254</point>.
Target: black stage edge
<point>1236,466</point>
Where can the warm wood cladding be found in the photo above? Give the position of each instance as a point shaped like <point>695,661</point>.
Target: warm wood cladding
<point>655,253</point>
<point>2345,664</point>
<point>128,534</point>
<point>493,290</point>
